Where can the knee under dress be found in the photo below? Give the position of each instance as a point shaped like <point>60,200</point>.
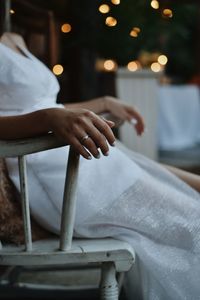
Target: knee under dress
<point>128,197</point>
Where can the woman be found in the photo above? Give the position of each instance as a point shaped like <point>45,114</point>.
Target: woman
<point>127,197</point>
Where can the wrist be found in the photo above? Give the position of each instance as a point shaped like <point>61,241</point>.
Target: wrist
<point>106,104</point>
<point>47,116</point>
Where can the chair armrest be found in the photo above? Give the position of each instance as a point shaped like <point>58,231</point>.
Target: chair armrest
<point>13,148</point>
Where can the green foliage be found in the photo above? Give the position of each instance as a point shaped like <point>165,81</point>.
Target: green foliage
<point>174,36</point>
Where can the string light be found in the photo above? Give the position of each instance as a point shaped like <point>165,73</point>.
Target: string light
<point>110,65</point>
<point>104,8</point>
<point>133,66</point>
<point>162,59</point>
<point>155,67</point>
<point>116,2</point>
<point>135,31</point>
<point>66,28</point>
<point>58,69</point>
<point>167,13</point>
<point>155,4</point>
<point>111,22</point>
<point>12,11</point>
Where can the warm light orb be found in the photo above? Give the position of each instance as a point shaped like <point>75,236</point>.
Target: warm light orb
<point>66,28</point>
<point>104,8</point>
<point>167,13</point>
<point>155,67</point>
<point>110,21</point>
<point>155,4</point>
<point>132,66</point>
<point>58,69</point>
<point>109,65</point>
<point>116,2</point>
<point>137,29</point>
<point>162,59</point>
<point>12,11</point>
<point>133,33</point>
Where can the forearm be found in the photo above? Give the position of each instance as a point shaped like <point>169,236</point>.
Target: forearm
<point>191,179</point>
<point>97,105</point>
<point>27,125</point>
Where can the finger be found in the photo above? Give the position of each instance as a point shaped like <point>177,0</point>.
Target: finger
<point>135,122</point>
<point>90,145</point>
<point>73,141</point>
<point>133,113</point>
<point>79,148</point>
<point>105,130</point>
<point>99,140</point>
<point>140,121</point>
<point>111,124</point>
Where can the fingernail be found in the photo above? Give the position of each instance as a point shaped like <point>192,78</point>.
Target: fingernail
<point>98,156</point>
<point>113,144</point>
<point>89,157</point>
<point>107,153</point>
<point>133,121</point>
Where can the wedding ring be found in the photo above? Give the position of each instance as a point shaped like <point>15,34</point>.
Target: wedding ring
<point>84,138</point>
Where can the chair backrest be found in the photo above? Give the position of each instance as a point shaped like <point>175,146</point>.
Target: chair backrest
<point>20,148</point>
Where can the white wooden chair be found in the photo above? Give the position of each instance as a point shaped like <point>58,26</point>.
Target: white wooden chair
<point>109,254</point>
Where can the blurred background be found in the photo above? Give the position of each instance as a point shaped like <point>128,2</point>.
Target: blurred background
<point>96,36</point>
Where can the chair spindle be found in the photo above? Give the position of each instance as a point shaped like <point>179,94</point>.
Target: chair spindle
<point>25,202</point>
<point>69,201</point>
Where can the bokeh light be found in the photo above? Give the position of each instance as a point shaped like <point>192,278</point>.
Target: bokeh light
<point>110,65</point>
<point>162,59</point>
<point>155,4</point>
<point>58,69</point>
<point>155,67</point>
<point>133,66</point>
<point>110,21</point>
<point>135,31</point>
<point>167,13</point>
<point>66,28</point>
<point>116,2</point>
<point>104,8</point>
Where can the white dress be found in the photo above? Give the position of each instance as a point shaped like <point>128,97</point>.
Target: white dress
<point>128,197</point>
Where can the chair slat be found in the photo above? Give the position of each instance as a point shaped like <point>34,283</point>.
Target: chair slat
<point>25,202</point>
<point>69,201</point>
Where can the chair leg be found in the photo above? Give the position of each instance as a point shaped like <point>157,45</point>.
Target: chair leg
<point>108,284</point>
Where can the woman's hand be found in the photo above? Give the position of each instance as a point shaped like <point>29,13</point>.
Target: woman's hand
<point>82,129</point>
<point>125,112</point>
<point>116,107</point>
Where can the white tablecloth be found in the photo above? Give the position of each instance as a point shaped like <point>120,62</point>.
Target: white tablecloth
<point>178,117</point>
